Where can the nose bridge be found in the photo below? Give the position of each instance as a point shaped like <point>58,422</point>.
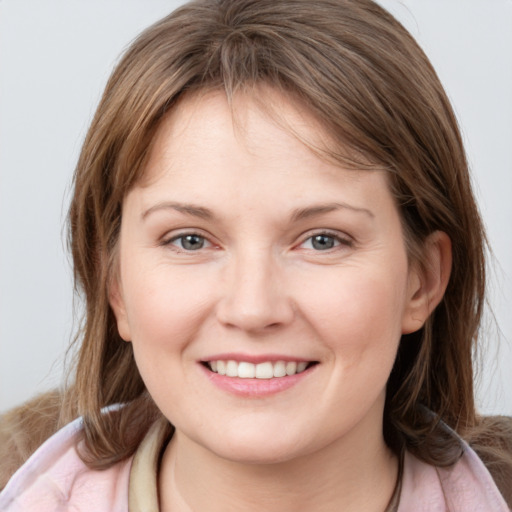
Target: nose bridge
<point>255,296</point>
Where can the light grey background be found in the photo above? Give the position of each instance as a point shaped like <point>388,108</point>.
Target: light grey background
<point>55,57</point>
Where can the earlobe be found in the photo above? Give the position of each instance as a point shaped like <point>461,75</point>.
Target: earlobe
<point>118,307</point>
<point>427,281</point>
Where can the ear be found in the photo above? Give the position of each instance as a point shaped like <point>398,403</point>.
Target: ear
<point>116,300</point>
<point>427,281</point>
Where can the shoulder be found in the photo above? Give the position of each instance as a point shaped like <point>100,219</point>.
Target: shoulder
<point>491,439</point>
<point>24,428</point>
<point>467,486</point>
<point>55,476</point>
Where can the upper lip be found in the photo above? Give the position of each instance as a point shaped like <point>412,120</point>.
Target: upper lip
<point>255,359</point>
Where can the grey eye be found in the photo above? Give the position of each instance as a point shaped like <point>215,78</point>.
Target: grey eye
<point>323,242</point>
<point>190,242</point>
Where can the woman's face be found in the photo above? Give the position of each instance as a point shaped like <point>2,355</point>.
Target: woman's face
<point>245,253</point>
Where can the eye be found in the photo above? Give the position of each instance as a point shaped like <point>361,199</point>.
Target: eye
<point>324,242</point>
<point>189,242</point>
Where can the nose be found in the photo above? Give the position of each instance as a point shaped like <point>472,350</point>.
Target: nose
<point>254,297</point>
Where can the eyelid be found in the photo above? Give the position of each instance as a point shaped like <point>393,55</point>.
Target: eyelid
<point>343,238</point>
<point>170,237</point>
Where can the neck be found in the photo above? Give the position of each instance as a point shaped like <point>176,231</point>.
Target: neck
<point>351,474</point>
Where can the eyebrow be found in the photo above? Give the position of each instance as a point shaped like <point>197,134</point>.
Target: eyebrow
<point>297,215</point>
<point>313,211</point>
<point>188,209</point>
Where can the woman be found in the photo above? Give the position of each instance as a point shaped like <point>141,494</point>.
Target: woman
<point>282,258</point>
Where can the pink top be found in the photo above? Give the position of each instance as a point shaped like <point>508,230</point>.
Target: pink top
<point>54,479</point>
<point>467,486</point>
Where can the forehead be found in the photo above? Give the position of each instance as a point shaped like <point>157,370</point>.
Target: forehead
<point>248,156</point>
<point>197,122</point>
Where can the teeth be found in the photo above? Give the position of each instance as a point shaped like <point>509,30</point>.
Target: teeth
<point>246,370</point>
<point>301,367</point>
<point>266,370</point>
<point>232,369</point>
<point>279,369</point>
<point>291,368</point>
<point>221,367</point>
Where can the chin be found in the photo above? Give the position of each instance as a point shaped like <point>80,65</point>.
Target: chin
<point>258,456</point>
<point>259,449</point>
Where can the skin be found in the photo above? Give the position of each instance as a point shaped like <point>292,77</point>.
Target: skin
<point>255,284</point>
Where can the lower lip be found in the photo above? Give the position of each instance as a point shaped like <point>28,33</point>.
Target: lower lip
<point>256,387</point>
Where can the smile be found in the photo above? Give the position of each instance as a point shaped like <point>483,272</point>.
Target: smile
<point>263,370</point>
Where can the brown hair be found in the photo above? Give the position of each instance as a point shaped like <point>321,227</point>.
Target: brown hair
<point>366,80</point>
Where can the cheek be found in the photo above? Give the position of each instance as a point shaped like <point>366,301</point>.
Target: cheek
<point>359,317</point>
<point>165,311</point>
<point>165,307</point>
<point>355,300</point>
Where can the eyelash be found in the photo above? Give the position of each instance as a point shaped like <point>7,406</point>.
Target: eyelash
<point>337,240</point>
<point>182,237</point>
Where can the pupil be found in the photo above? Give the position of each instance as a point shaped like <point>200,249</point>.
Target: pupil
<point>192,242</point>
<point>323,242</point>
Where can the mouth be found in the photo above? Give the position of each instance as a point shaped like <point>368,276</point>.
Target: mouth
<point>264,370</point>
